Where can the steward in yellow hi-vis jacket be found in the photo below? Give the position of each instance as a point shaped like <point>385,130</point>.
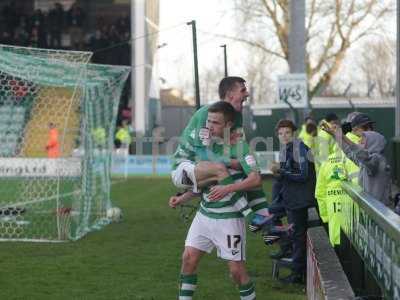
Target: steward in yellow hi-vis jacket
<point>325,146</point>
<point>330,195</point>
<point>306,137</point>
<point>349,207</point>
<point>350,167</point>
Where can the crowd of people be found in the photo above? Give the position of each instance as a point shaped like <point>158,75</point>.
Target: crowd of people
<point>213,161</point>
<point>67,29</point>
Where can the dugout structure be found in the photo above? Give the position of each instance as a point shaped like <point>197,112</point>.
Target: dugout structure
<point>64,197</point>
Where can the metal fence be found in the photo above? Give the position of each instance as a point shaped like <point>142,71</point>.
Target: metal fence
<point>175,119</point>
<point>374,231</point>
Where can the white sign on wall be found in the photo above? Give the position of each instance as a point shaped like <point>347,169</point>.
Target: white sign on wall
<point>40,167</point>
<point>292,88</point>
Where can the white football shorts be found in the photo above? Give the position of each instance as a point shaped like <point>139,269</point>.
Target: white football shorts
<point>228,236</point>
<point>178,175</point>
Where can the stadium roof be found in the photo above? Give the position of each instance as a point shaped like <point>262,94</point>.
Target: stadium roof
<point>335,102</point>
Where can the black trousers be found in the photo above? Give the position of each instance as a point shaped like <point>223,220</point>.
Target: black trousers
<point>299,219</point>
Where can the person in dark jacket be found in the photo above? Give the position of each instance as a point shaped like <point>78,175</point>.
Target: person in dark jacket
<point>278,210</point>
<point>75,20</point>
<point>296,175</point>
<point>37,23</point>
<point>56,22</point>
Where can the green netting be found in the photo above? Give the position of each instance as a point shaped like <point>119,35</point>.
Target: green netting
<point>100,107</point>
<point>61,198</point>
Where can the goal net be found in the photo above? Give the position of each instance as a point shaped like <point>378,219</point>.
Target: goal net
<point>57,116</point>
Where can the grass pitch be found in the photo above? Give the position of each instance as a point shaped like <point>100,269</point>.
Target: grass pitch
<point>138,258</point>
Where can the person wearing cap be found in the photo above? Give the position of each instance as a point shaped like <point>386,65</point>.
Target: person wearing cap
<point>296,175</point>
<point>374,176</point>
<point>360,123</point>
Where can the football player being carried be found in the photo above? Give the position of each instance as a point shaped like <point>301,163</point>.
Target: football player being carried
<point>221,166</point>
<point>190,172</point>
<point>220,220</point>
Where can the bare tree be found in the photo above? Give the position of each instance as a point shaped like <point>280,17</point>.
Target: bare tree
<point>259,78</point>
<point>377,67</point>
<point>332,27</point>
<point>210,78</point>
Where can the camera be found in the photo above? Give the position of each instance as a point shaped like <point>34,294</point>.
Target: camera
<point>346,127</point>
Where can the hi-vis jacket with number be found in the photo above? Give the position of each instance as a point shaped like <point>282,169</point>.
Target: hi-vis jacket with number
<point>330,195</point>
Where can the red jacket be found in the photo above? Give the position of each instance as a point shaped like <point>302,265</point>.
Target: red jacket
<point>53,147</point>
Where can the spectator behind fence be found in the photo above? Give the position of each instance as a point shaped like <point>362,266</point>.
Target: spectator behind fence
<point>75,20</point>
<point>123,138</point>
<point>374,176</point>
<point>37,22</point>
<point>56,21</point>
<point>34,38</point>
<point>109,40</point>
<point>21,35</point>
<point>5,38</point>
<point>10,16</point>
<point>355,126</point>
<point>97,42</point>
<point>296,175</point>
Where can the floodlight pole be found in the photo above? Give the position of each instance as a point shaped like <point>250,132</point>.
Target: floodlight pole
<point>195,62</point>
<point>138,62</point>
<point>225,60</point>
<point>297,41</point>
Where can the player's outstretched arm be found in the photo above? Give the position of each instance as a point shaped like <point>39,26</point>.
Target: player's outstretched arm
<point>175,201</point>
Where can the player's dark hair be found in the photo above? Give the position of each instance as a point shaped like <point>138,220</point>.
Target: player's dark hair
<point>227,84</point>
<point>225,108</point>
